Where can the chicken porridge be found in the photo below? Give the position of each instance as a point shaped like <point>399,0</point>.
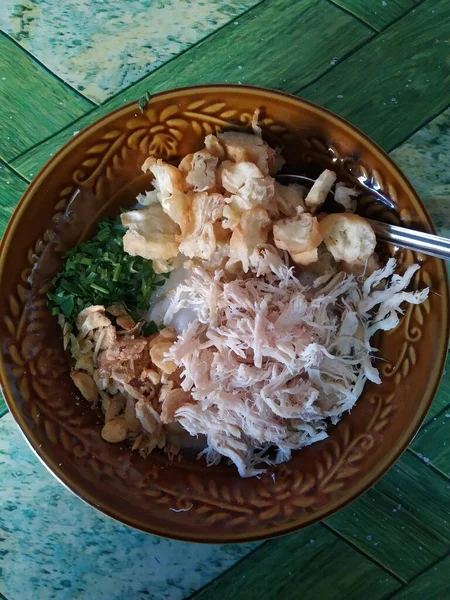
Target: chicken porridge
<point>228,307</point>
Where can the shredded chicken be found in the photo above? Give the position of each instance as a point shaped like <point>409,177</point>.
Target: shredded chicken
<point>273,359</point>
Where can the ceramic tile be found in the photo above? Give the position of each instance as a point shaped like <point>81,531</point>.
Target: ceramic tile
<point>425,159</point>
<point>33,103</point>
<point>101,48</point>
<point>55,547</point>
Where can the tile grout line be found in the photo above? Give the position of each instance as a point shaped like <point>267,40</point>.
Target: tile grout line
<point>402,16</point>
<point>394,498</point>
<point>362,553</point>
<point>393,22</point>
<point>238,562</point>
<point>341,61</point>
<point>399,18</point>
<point>42,65</point>
<point>14,170</point>
<point>430,465</point>
<point>412,515</point>
<point>356,17</point>
<point>422,572</point>
<point>418,128</point>
<point>357,48</point>
<point>49,137</point>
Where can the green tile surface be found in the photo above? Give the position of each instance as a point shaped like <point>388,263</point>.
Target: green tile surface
<point>268,56</point>
<point>34,104</point>
<point>384,65</point>
<point>102,47</point>
<point>389,87</point>
<point>378,13</point>
<point>310,564</point>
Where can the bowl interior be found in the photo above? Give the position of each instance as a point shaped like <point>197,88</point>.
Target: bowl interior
<point>99,172</point>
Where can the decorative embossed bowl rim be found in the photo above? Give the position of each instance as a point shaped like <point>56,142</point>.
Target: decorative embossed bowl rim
<point>98,171</point>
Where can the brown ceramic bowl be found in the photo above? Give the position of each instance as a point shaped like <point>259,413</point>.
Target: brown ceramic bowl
<point>95,174</point>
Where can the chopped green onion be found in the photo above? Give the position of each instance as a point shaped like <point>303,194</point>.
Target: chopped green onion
<point>99,288</point>
<point>99,271</point>
<point>117,270</point>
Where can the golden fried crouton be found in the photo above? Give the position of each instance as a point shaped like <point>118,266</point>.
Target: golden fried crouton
<point>221,233</point>
<point>200,239</point>
<point>185,164</point>
<point>169,187</point>
<point>290,199</point>
<point>252,231</point>
<point>241,147</point>
<point>214,147</point>
<point>250,189</point>
<point>148,197</point>
<point>320,190</point>
<point>276,161</point>
<point>199,170</point>
<point>255,192</point>
<point>234,175</point>
<point>151,233</point>
<point>348,237</point>
<point>297,234</point>
<point>167,178</point>
<point>231,217</point>
<point>305,258</point>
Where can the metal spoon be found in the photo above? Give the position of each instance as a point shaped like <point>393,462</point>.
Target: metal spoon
<point>427,243</point>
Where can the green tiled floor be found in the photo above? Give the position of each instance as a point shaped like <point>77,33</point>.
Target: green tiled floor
<point>384,65</point>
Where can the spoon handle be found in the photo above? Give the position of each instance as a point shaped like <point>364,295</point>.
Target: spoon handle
<point>419,241</point>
